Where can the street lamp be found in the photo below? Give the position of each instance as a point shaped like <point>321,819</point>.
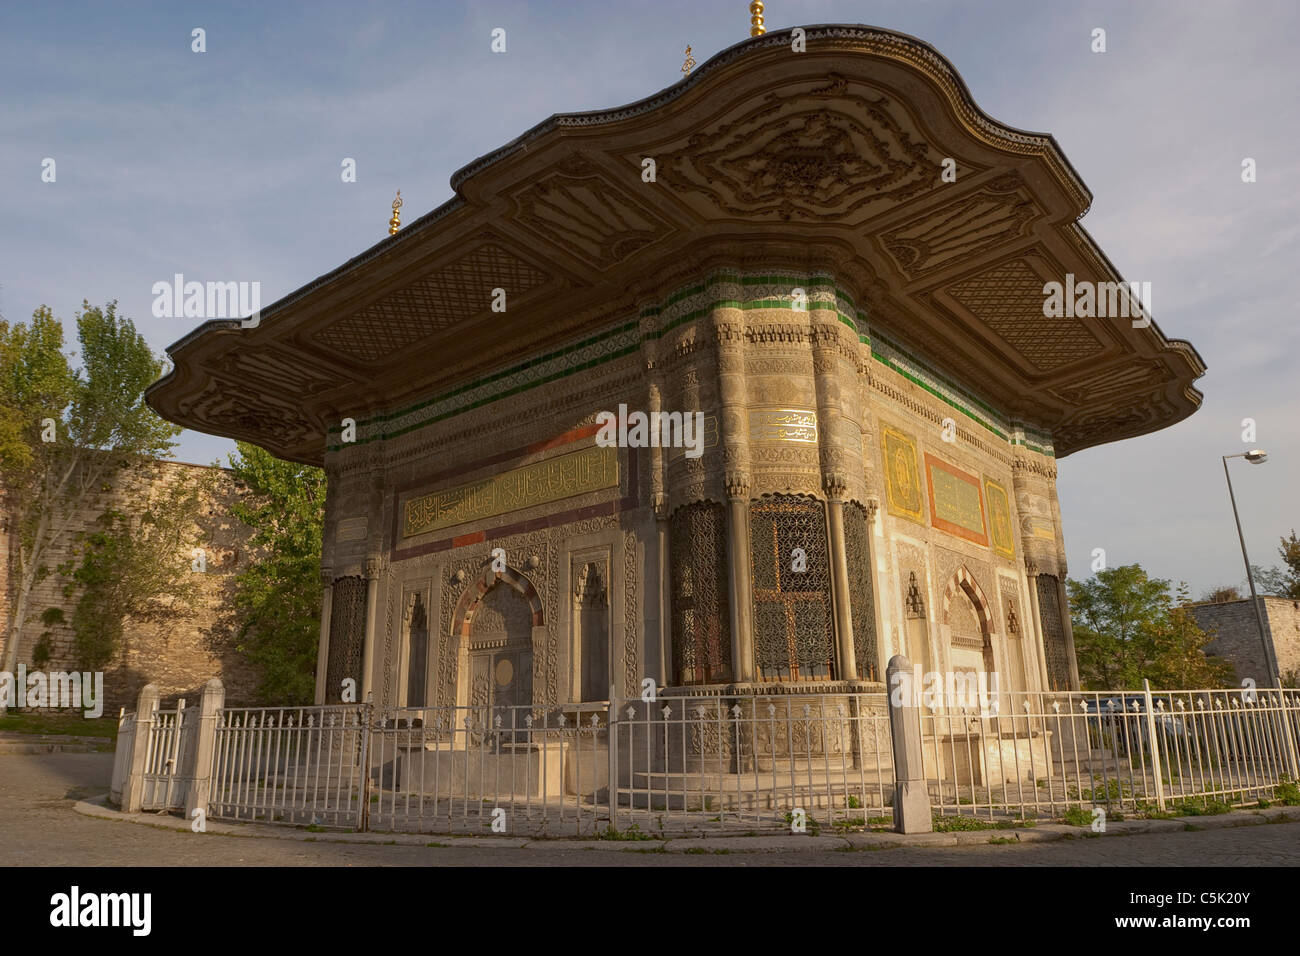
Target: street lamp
<point>1256,456</point>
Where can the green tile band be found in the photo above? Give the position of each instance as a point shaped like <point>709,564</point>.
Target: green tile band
<point>680,307</point>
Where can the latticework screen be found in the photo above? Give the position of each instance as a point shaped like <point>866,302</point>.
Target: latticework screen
<point>1054,646</point>
<point>701,614</point>
<point>793,635</point>
<point>347,635</point>
<point>857,533</point>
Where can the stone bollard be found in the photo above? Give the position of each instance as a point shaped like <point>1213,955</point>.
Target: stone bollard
<point>196,797</point>
<point>145,707</point>
<point>911,798</point>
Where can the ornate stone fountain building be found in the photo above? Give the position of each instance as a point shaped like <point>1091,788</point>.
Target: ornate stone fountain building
<point>772,242</point>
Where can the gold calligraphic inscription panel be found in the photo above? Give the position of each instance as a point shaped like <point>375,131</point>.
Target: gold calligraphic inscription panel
<point>575,473</point>
<point>902,475</point>
<point>783,424</point>
<point>995,494</point>
<point>956,502</point>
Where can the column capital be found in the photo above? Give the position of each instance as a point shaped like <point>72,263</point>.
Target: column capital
<point>835,484</point>
<point>737,484</point>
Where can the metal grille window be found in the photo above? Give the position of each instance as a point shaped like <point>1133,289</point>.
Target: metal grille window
<point>861,598</point>
<point>347,635</point>
<point>701,615</point>
<point>1057,654</point>
<point>793,636</point>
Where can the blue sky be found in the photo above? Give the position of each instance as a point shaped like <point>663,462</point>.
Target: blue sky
<point>226,165</point>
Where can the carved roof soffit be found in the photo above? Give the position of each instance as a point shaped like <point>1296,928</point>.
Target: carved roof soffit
<point>579,241</point>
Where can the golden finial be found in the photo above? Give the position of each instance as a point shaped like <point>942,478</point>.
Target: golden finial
<point>395,223</point>
<point>756,28</point>
<point>690,62</point>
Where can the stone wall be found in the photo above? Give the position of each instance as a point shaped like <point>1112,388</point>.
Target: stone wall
<point>1236,631</point>
<point>180,655</point>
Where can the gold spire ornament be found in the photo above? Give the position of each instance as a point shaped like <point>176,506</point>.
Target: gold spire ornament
<point>756,28</point>
<point>690,62</point>
<point>395,223</point>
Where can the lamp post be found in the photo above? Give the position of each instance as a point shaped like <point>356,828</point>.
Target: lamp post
<point>1256,456</point>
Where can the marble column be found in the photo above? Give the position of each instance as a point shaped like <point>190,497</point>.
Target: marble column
<point>740,586</point>
<point>372,571</point>
<point>845,652</point>
<point>323,648</point>
<point>728,326</point>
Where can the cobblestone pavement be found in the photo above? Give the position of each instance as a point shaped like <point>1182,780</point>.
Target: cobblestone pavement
<point>40,828</point>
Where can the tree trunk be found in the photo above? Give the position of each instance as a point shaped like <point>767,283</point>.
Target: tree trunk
<point>11,640</point>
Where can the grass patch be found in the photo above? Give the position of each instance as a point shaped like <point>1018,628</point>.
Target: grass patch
<point>813,827</point>
<point>1002,841</point>
<point>1287,792</point>
<point>1078,817</point>
<point>959,823</point>
<point>1199,808</point>
<point>438,846</point>
<point>63,725</point>
<point>632,833</point>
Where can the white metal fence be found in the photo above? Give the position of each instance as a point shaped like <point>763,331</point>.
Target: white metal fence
<point>163,766</point>
<point>1038,754</point>
<point>713,763</point>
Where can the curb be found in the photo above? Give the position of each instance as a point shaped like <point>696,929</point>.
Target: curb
<point>774,843</point>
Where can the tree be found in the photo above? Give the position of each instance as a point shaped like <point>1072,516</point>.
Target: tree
<point>278,597</point>
<point>66,433</point>
<point>1283,581</point>
<point>1127,627</point>
<point>1223,594</point>
<point>136,564</point>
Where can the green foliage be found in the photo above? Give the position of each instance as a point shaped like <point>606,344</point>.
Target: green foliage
<point>63,725</point>
<point>278,595</point>
<point>1287,792</point>
<point>633,834</point>
<point>1283,581</point>
<point>42,650</point>
<point>1078,817</point>
<point>1128,626</point>
<point>944,824</point>
<point>136,565</point>
<point>97,418</point>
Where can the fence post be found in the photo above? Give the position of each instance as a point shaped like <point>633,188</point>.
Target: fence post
<point>911,798</point>
<point>145,708</point>
<point>1155,747</point>
<point>1288,736</point>
<point>205,738</point>
<point>363,812</point>
<point>611,732</point>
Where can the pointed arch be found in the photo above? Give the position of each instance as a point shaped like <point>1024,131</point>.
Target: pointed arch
<point>962,579</point>
<point>457,635</point>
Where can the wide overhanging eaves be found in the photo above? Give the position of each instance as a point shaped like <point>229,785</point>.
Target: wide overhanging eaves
<point>827,160</point>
